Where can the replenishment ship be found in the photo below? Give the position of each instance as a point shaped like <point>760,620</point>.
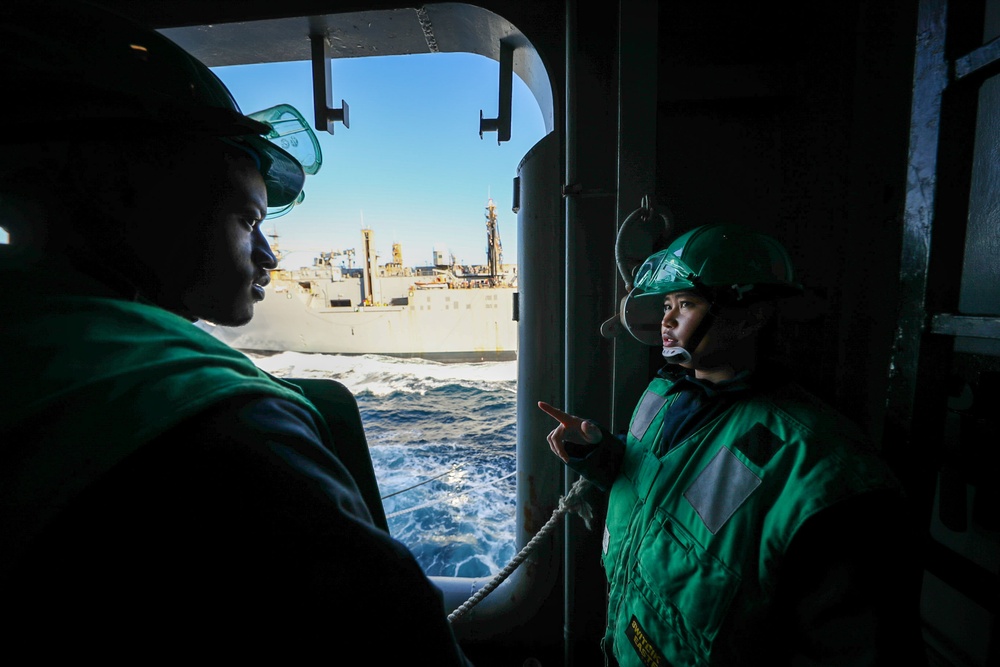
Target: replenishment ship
<point>443,312</point>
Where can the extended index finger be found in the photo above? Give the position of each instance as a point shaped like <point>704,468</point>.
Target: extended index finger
<point>552,411</point>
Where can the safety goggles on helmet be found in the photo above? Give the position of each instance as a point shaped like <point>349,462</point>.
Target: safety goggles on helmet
<point>663,273</point>
<point>289,131</point>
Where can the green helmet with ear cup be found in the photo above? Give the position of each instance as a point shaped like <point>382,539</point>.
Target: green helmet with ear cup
<point>726,263</point>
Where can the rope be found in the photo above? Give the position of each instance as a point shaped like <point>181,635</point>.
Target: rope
<point>453,468</point>
<point>572,501</point>
<point>431,503</point>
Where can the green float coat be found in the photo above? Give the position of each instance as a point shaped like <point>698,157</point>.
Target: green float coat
<point>697,534</point>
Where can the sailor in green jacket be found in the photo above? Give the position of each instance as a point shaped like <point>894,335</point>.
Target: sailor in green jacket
<point>748,523</point>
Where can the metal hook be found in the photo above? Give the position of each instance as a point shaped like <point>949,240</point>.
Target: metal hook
<point>501,124</point>
<point>323,88</point>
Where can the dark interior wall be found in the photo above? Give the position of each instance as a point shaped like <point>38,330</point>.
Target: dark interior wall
<point>880,134</point>
<point>794,122</point>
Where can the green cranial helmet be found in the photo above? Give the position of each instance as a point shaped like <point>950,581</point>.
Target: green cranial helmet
<point>91,74</point>
<point>726,262</point>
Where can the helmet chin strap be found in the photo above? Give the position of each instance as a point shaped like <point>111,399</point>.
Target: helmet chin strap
<point>676,355</point>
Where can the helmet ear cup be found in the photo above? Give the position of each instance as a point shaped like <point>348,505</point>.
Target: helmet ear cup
<point>642,317</point>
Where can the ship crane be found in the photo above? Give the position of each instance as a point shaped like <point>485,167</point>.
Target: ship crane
<point>494,250</point>
<point>273,243</point>
<point>326,258</point>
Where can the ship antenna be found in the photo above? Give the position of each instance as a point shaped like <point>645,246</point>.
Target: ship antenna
<point>274,243</point>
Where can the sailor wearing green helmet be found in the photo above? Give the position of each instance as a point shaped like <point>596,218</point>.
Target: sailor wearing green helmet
<point>721,275</point>
<point>748,523</point>
<point>159,494</point>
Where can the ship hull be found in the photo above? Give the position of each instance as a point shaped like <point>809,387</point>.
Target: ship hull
<point>440,324</point>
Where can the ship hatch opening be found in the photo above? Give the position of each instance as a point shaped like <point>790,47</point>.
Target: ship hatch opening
<point>436,385</point>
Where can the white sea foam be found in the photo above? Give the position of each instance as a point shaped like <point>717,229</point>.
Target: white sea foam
<point>382,375</point>
<point>442,441</point>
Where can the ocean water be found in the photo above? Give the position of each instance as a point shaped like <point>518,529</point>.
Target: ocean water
<point>442,438</point>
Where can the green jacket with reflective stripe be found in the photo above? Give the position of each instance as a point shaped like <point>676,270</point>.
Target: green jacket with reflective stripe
<point>697,535</point>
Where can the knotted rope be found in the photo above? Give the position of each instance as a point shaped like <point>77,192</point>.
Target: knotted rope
<point>571,502</point>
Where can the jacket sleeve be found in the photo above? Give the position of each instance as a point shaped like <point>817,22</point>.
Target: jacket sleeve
<point>599,463</point>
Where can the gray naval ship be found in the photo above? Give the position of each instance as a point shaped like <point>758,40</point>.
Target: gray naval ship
<point>444,312</point>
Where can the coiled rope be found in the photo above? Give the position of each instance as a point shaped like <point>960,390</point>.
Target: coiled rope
<point>571,502</point>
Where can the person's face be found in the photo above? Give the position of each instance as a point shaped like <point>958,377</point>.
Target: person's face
<point>232,258</point>
<point>683,312</point>
<point>210,259</point>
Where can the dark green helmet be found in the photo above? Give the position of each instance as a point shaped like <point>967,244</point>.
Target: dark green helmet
<point>726,262</point>
<point>89,73</point>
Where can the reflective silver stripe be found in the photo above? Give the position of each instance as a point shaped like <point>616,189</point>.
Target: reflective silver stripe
<point>649,406</point>
<point>720,489</point>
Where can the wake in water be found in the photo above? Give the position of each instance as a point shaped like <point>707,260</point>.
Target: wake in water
<point>442,438</point>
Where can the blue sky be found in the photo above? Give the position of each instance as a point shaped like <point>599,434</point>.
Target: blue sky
<point>412,166</point>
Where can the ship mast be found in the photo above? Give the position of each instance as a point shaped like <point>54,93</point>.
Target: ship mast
<point>370,269</point>
<point>494,250</point>
<point>273,243</point>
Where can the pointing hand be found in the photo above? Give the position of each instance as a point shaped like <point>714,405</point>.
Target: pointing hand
<point>570,429</point>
